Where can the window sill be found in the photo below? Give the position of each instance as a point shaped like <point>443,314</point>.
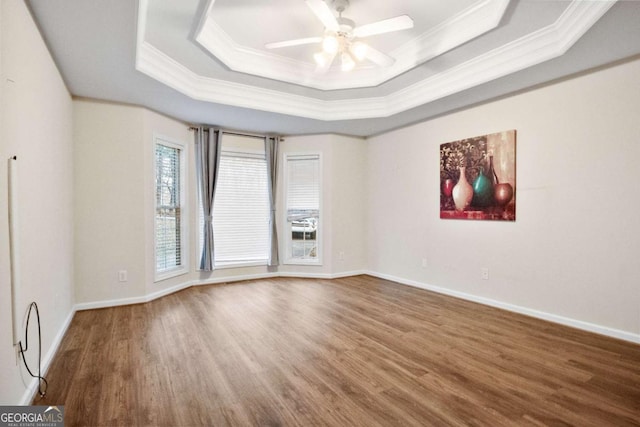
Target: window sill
<point>311,262</point>
<point>239,264</point>
<point>160,276</point>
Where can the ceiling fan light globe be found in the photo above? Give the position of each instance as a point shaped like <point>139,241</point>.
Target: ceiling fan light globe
<point>348,63</point>
<point>321,58</point>
<point>330,44</point>
<point>359,50</point>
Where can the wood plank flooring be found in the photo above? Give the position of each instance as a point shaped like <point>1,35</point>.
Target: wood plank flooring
<point>354,351</point>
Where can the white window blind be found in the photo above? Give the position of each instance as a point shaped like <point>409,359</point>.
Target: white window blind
<point>303,190</point>
<point>240,210</point>
<point>303,208</point>
<point>168,238</point>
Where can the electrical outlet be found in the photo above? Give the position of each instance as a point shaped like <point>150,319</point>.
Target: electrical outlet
<point>424,263</point>
<point>484,273</point>
<point>122,276</point>
<point>341,256</point>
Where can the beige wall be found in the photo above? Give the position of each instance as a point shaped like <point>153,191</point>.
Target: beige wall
<point>348,192</point>
<point>114,189</point>
<point>36,125</point>
<point>573,252</point>
<point>109,161</point>
<point>343,191</point>
<point>114,204</point>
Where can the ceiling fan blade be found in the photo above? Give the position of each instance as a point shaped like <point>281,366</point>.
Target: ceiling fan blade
<point>324,14</point>
<point>327,60</point>
<point>296,42</point>
<point>403,22</point>
<point>379,58</point>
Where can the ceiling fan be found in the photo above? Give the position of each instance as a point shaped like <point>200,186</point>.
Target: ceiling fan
<point>342,37</point>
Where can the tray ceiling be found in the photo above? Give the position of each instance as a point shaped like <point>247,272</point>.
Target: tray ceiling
<point>211,55</point>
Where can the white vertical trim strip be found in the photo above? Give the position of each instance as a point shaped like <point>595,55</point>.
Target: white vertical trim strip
<point>14,248</point>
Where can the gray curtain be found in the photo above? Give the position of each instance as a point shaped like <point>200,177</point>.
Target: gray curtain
<point>271,153</point>
<point>208,146</point>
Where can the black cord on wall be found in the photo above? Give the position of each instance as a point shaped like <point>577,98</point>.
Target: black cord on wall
<point>41,380</point>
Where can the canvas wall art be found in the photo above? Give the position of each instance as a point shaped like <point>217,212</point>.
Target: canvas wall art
<point>478,178</point>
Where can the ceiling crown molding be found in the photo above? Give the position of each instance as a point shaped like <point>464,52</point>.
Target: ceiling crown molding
<point>534,48</point>
<point>482,16</point>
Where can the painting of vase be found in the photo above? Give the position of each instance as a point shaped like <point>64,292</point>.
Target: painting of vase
<point>478,178</point>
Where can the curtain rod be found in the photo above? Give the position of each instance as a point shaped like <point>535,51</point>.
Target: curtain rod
<point>238,133</point>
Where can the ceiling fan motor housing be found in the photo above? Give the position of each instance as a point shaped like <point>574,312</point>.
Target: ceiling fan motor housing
<point>342,37</point>
<point>346,25</point>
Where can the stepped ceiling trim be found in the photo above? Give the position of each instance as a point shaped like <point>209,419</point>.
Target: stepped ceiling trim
<point>470,23</point>
<point>534,48</point>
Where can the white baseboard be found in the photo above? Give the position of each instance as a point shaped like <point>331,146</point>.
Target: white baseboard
<point>321,275</point>
<point>163,292</point>
<point>171,290</point>
<point>109,303</point>
<point>231,279</point>
<point>134,300</point>
<point>302,275</point>
<point>31,390</point>
<point>578,324</point>
<point>348,274</point>
<point>211,281</point>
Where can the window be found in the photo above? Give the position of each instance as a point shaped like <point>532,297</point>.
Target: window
<point>302,173</point>
<point>241,204</point>
<point>170,230</point>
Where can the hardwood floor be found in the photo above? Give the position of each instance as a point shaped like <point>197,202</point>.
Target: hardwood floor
<point>353,351</point>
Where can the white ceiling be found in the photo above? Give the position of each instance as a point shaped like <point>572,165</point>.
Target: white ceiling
<point>204,61</point>
<point>439,27</point>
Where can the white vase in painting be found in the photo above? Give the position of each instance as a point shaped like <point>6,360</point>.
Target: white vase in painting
<point>462,192</point>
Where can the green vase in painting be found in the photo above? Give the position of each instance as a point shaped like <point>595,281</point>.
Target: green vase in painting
<point>482,191</point>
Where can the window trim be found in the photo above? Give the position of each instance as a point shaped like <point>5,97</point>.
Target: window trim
<point>288,260</point>
<point>230,152</point>
<point>183,268</point>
